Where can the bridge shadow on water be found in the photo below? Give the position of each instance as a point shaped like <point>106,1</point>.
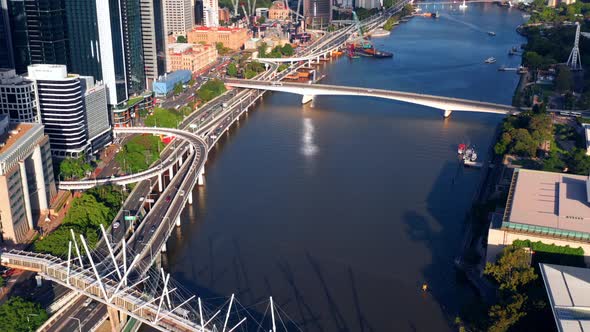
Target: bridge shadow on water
<point>440,229</point>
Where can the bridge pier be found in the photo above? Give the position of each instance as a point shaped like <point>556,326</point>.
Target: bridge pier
<point>307,98</point>
<point>160,184</point>
<point>190,197</point>
<point>114,319</point>
<point>163,249</point>
<point>201,178</point>
<point>180,160</point>
<point>171,172</point>
<point>177,224</point>
<point>447,113</point>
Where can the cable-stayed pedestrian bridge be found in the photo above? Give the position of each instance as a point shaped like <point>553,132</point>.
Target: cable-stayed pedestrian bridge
<point>309,91</point>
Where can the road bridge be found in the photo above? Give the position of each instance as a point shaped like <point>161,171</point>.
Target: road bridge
<point>309,91</point>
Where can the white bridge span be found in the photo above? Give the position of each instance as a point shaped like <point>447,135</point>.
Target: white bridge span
<point>309,91</point>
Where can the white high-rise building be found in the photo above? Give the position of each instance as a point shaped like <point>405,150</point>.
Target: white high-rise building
<point>210,13</point>
<point>178,16</point>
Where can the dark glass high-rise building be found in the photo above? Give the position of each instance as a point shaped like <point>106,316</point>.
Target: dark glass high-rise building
<point>96,47</point>
<point>199,12</point>
<point>6,58</point>
<point>132,41</point>
<point>39,32</point>
<point>160,32</point>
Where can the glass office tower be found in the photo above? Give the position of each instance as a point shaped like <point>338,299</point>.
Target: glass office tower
<point>39,32</point>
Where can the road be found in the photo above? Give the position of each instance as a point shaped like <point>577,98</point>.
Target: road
<point>79,316</point>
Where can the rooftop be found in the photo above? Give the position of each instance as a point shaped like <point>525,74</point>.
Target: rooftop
<point>16,131</point>
<point>550,200</point>
<point>568,289</point>
<point>222,29</point>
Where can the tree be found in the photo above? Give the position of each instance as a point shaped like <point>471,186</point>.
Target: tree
<point>221,49</point>
<point>512,270</point>
<point>177,88</point>
<point>181,39</point>
<point>533,60</point>
<point>232,70</point>
<point>74,168</point>
<point>261,20</point>
<point>262,50</point>
<point>211,89</point>
<point>282,67</point>
<point>564,79</point>
<point>524,144</point>
<point>287,50</point>
<point>503,316</point>
<point>579,162</point>
<point>19,315</point>
<point>502,145</point>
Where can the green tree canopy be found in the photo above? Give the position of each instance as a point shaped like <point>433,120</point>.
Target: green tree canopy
<point>181,39</point>
<point>178,88</point>
<point>141,151</point>
<point>288,50</point>
<point>512,270</point>
<point>232,70</point>
<point>564,80</point>
<point>211,89</point>
<point>533,60</point>
<point>73,168</point>
<point>505,315</point>
<point>18,315</point>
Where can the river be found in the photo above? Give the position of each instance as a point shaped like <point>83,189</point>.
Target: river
<point>342,209</point>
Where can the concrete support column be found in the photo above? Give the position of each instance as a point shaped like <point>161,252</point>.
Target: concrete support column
<point>160,184</point>
<point>163,247</point>
<point>307,98</point>
<point>171,172</point>
<point>201,178</point>
<point>114,319</point>
<point>180,161</point>
<point>40,178</point>
<point>447,113</point>
<point>191,148</point>
<point>177,223</point>
<point>25,185</point>
<point>190,197</point>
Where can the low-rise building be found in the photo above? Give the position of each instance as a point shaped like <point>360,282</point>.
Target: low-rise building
<point>125,114</point>
<point>233,38</point>
<point>252,43</point>
<point>193,57</point>
<point>165,84</point>
<point>278,11</point>
<point>17,97</point>
<point>553,208</point>
<point>568,290</point>
<point>26,179</point>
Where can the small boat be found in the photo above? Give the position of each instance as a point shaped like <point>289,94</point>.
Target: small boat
<point>470,154</point>
<point>490,60</point>
<point>491,33</point>
<point>461,149</point>
<point>522,70</point>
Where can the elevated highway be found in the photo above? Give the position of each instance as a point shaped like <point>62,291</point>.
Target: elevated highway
<point>309,91</point>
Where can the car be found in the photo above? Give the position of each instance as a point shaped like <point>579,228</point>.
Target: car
<point>152,229</point>
<point>168,198</point>
<point>87,302</point>
<point>140,239</point>
<point>181,193</point>
<point>116,224</point>
<point>141,199</point>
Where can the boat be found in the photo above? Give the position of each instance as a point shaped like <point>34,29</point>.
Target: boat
<point>491,33</point>
<point>522,70</point>
<point>490,60</point>
<point>467,154</point>
<point>461,149</point>
<point>373,52</point>
<point>463,5</point>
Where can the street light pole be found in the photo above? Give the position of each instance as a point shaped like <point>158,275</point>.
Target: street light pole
<point>79,323</point>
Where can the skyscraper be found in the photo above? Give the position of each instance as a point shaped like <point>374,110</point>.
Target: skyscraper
<point>39,32</point>
<point>198,12</point>
<point>148,35</point>
<point>17,97</point>
<point>210,13</point>
<point>96,44</point>
<point>318,13</point>
<point>133,46</point>
<point>178,16</point>
<point>6,58</point>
